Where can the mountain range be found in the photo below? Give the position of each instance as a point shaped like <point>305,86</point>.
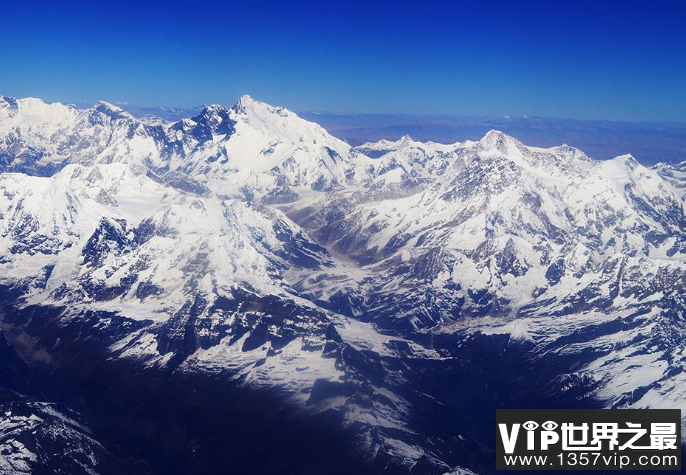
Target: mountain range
<point>240,289</point>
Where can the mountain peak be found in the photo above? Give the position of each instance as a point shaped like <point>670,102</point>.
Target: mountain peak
<point>493,135</point>
<point>212,119</point>
<point>258,110</point>
<point>111,110</point>
<point>108,105</point>
<point>247,102</point>
<point>627,160</point>
<point>213,107</point>
<point>273,119</point>
<point>32,109</point>
<point>496,140</point>
<point>212,110</point>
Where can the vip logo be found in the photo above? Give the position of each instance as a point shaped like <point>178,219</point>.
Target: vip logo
<point>573,439</point>
<point>546,437</point>
<point>590,437</point>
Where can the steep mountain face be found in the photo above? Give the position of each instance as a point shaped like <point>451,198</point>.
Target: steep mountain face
<point>38,438</point>
<point>401,290</point>
<point>674,173</point>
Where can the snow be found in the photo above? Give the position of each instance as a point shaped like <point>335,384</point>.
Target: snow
<point>527,242</point>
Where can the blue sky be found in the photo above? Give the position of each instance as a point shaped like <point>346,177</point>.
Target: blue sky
<point>581,59</point>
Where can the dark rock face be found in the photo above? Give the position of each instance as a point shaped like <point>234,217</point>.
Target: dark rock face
<point>45,438</point>
<point>179,422</point>
<point>108,239</point>
<point>143,420</point>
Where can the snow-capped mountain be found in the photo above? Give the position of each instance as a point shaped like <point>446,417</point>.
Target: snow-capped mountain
<point>252,143</point>
<point>399,290</point>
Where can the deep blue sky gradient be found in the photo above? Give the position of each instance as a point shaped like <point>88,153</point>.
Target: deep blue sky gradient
<point>619,60</point>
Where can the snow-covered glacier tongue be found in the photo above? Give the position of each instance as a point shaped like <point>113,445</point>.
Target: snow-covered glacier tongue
<point>241,291</point>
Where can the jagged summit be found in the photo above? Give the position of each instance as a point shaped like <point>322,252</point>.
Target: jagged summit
<point>112,111</point>
<point>494,135</point>
<point>249,105</point>
<point>212,120</point>
<point>211,110</point>
<point>246,100</point>
<point>104,105</point>
<point>498,141</point>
